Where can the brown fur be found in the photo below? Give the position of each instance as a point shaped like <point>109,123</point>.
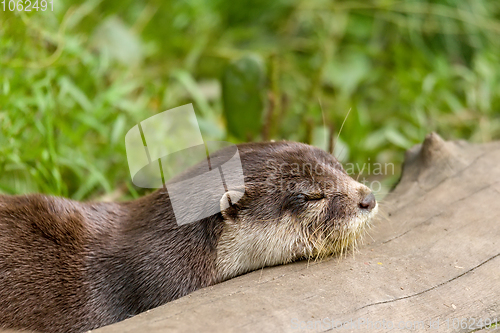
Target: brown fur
<point>67,266</point>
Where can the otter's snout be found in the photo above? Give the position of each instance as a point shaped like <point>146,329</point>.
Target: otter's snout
<point>368,202</point>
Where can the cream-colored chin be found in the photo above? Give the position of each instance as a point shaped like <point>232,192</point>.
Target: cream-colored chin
<point>244,247</point>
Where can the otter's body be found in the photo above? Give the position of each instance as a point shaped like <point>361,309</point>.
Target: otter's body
<point>67,266</point>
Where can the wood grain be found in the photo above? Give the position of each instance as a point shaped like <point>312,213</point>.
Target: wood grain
<point>435,259</point>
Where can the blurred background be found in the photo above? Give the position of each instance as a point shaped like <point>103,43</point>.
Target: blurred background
<point>75,79</point>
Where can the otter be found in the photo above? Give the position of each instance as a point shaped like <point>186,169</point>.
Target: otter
<point>68,266</point>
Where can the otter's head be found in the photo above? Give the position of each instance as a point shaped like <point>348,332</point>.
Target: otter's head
<point>298,202</point>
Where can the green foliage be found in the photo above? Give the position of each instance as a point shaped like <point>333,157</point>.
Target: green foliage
<point>243,100</point>
<point>73,81</point>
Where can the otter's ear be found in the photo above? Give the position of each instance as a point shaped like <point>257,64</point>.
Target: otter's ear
<point>228,201</point>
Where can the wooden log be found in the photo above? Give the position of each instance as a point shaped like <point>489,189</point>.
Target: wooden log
<point>433,263</point>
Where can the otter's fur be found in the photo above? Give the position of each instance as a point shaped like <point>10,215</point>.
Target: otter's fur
<point>67,266</point>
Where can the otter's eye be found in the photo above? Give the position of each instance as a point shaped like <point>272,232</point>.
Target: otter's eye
<point>297,202</point>
<point>314,196</point>
<point>301,197</point>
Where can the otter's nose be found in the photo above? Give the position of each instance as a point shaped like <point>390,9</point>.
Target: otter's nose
<point>368,202</point>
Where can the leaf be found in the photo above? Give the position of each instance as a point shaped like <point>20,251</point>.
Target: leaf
<point>347,73</point>
<point>118,41</point>
<point>194,90</point>
<point>68,87</point>
<point>396,138</point>
<point>118,129</point>
<point>243,97</point>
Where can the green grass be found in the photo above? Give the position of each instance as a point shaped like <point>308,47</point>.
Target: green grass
<point>73,81</point>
